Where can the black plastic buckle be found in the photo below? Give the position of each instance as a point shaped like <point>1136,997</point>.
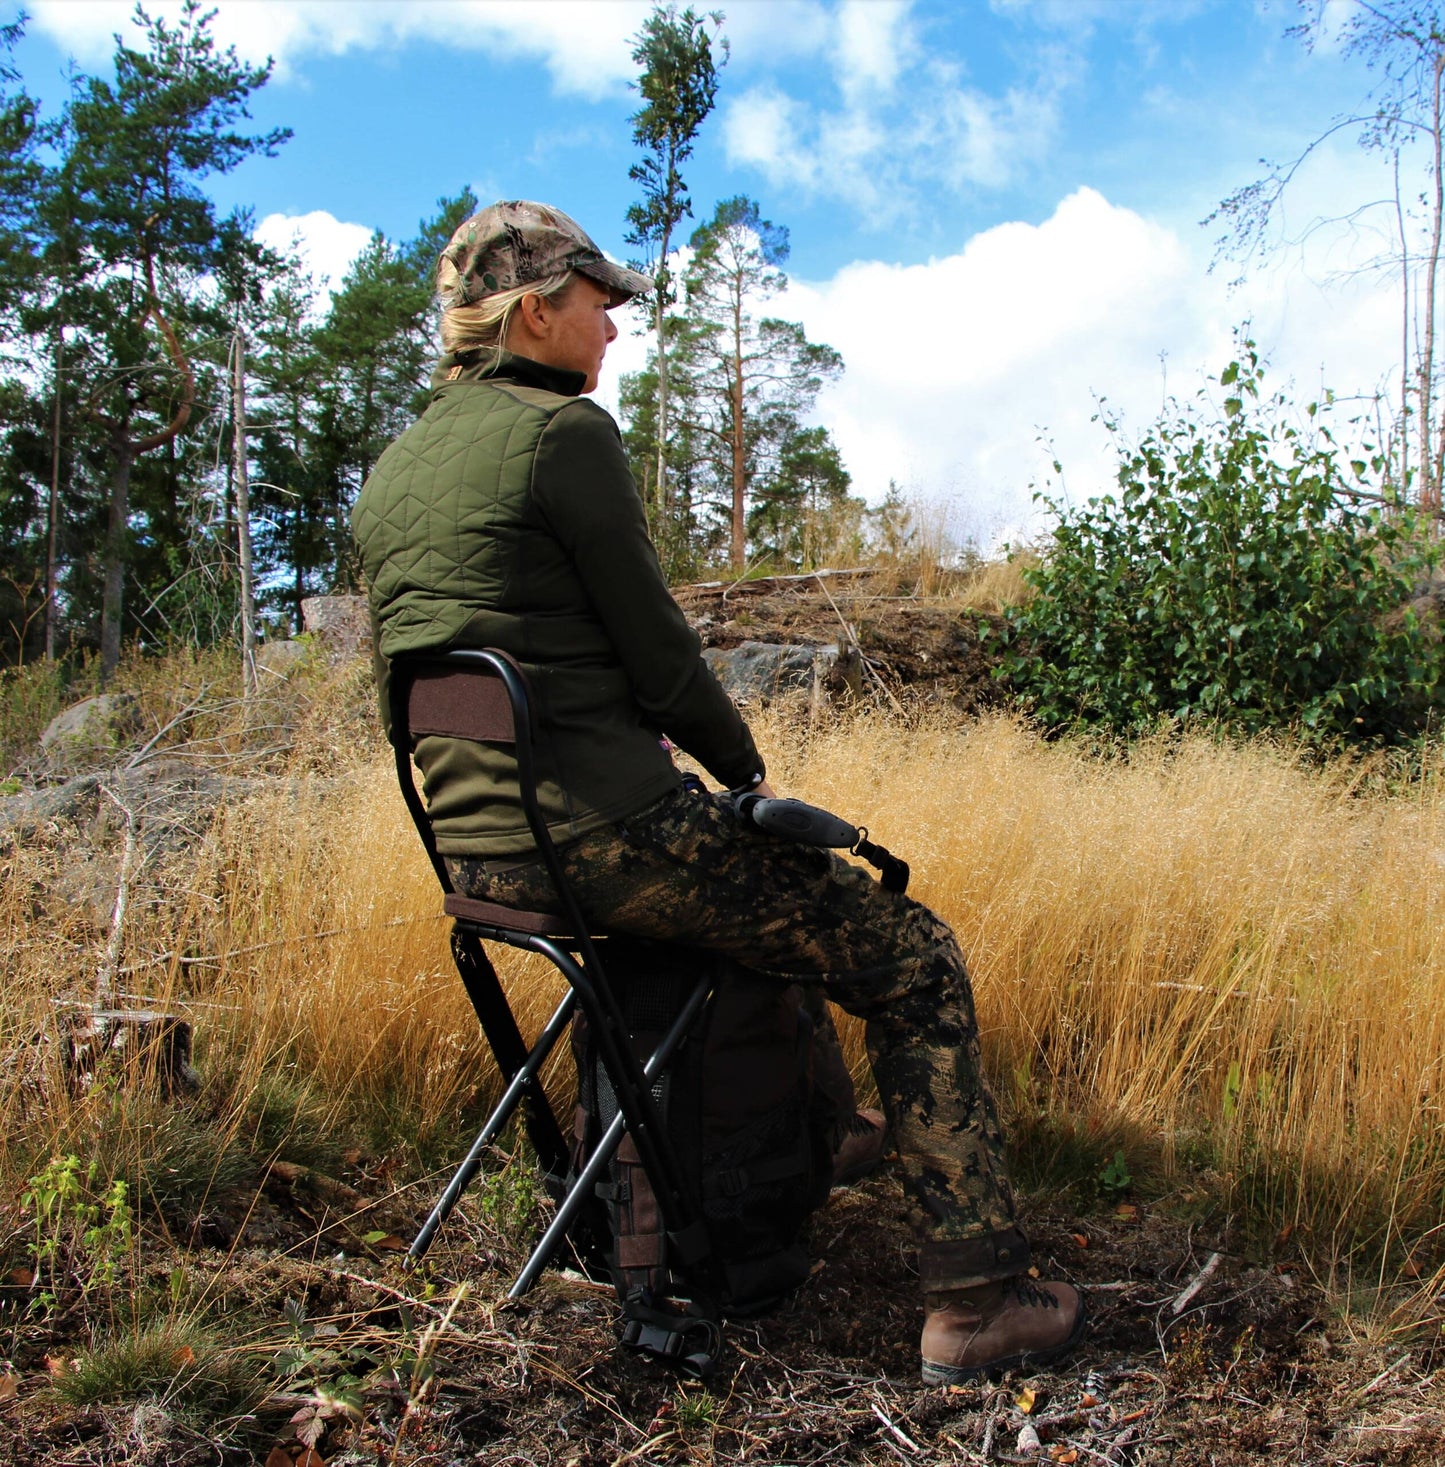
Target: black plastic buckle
<point>690,1343</point>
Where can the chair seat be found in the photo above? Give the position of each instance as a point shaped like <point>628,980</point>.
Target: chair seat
<point>473,909</point>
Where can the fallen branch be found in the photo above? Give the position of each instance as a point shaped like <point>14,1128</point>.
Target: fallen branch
<point>1181,1300</point>
<point>862,657</point>
<point>902,1436</point>
<point>106,974</point>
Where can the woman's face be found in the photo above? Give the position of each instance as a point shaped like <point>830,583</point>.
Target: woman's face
<point>578,330</point>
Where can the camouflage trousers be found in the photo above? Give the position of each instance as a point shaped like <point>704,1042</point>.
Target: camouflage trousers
<point>687,870</point>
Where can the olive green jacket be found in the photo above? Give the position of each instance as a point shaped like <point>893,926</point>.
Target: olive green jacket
<point>506,517</point>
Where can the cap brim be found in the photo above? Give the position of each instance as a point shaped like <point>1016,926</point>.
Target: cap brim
<point>622,282</point>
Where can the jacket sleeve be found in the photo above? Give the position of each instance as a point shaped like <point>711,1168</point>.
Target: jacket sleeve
<point>585,491</point>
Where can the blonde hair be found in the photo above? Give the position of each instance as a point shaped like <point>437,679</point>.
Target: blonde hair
<point>483,324</point>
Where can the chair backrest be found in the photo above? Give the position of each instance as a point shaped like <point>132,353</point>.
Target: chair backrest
<point>479,694</point>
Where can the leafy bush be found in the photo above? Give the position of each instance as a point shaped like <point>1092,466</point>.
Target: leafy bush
<point>1230,582</point>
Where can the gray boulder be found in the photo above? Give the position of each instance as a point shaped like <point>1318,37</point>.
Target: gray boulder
<point>340,623</point>
<point>763,672</point>
<point>279,659</point>
<point>96,726</point>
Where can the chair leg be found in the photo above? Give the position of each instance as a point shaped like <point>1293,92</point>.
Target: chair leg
<point>521,1085</point>
<point>681,1211</point>
<point>581,1190</point>
<point>484,989</point>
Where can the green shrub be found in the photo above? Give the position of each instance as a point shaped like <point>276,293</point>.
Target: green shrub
<point>1230,582</point>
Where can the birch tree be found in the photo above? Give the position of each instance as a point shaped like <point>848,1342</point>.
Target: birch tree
<point>1401,44</point>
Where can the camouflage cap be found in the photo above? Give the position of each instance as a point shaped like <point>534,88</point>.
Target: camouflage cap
<point>516,241</point>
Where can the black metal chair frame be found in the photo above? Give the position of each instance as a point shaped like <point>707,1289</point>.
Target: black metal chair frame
<point>483,695</point>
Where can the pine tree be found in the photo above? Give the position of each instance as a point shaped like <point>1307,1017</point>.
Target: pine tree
<point>752,380</point>
<point>141,239</point>
<point>678,83</point>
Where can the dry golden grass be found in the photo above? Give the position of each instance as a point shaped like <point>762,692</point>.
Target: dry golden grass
<point>1210,948</point>
<point>1212,955</point>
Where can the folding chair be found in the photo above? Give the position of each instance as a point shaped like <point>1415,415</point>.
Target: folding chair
<point>483,695</point>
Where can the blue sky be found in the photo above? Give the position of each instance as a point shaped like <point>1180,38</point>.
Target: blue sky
<point>994,207</point>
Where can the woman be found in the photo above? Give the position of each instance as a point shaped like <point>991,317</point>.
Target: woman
<point>507,517</point>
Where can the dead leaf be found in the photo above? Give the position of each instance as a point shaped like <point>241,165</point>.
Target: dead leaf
<point>1088,1401</point>
<point>958,1390</point>
<point>1025,1399</point>
<point>1080,1239</point>
<point>1065,1455</point>
<point>57,1365</point>
<point>9,1385</point>
<point>278,1457</point>
<point>1283,1236</point>
<point>389,1243</point>
<point>1126,1212</point>
<point>1133,1416</point>
<point>351,1157</point>
<point>22,1278</point>
<point>1411,1268</point>
<point>183,1357</point>
<point>311,1458</point>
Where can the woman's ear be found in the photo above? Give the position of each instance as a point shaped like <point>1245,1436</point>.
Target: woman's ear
<point>535,314</point>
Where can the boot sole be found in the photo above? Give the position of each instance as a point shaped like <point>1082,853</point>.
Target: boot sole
<point>936,1373</point>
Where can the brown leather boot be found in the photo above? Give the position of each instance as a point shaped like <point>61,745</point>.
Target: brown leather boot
<point>999,1326</point>
<point>861,1147</point>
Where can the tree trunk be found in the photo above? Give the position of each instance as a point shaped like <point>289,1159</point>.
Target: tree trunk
<point>52,569</point>
<point>113,597</point>
<point>1429,473</point>
<point>243,511</point>
<point>739,438</point>
<point>658,325</point>
<point>740,478</point>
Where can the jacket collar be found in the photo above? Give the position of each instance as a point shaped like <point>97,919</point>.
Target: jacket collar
<point>488,366</point>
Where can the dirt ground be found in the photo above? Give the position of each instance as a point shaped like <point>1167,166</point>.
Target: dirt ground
<point>916,651</point>
<point>1195,1355</point>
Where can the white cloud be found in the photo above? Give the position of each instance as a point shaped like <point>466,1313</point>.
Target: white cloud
<point>583,43</point>
<point>957,367</point>
<point>873,43</point>
<point>905,121</point>
<point>326,245</point>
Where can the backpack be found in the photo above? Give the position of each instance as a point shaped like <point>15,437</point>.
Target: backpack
<point>752,1129</point>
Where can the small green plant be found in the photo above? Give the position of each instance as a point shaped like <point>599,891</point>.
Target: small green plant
<point>695,1409</point>
<point>314,1357</point>
<point>1115,1179</point>
<point>1233,1085</point>
<point>76,1233</point>
<point>508,1197</point>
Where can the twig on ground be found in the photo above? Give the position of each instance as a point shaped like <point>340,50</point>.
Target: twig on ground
<point>1384,1375</point>
<point>1181,1300</point>
<point>853,638</point>
<point>887,1421</point>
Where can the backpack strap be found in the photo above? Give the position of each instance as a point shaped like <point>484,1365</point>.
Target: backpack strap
<point>689,1340</point>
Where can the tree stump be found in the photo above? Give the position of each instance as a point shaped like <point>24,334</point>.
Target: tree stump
<point>142,1042</point>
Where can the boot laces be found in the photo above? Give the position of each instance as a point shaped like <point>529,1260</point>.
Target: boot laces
<point>1030,1294</point>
